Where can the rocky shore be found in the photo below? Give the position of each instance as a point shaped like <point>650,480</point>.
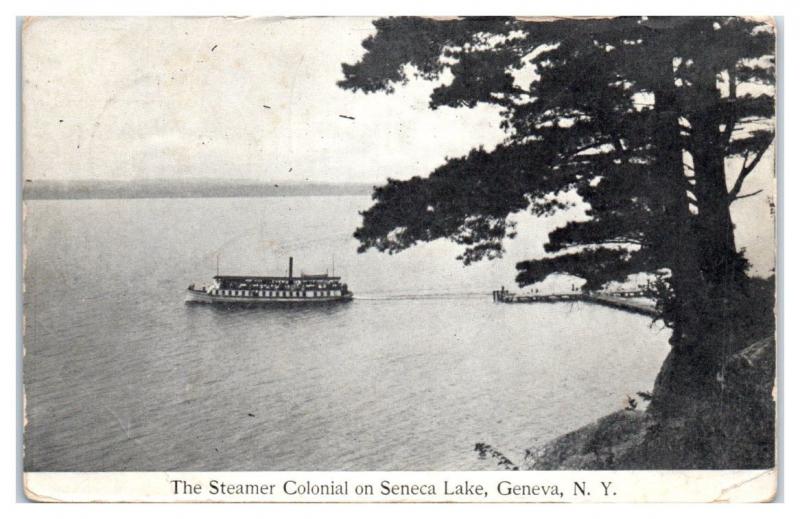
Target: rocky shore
<point>731,429</point>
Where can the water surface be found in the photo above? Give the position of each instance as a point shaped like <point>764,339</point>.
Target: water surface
<point>121,375</point>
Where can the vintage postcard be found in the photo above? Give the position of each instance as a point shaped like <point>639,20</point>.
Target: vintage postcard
<point>399,259</point>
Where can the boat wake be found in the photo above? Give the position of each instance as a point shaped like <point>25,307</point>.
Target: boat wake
<point>417,296</point>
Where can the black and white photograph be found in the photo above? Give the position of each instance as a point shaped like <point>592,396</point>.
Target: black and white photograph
<point>516,249</point>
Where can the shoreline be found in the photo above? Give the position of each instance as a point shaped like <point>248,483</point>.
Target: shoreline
<point>637,439</point>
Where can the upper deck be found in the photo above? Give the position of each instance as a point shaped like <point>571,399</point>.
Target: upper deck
<point>315,278</point>
<point>321,281</point>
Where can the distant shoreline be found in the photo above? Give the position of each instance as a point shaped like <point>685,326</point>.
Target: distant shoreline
<point>105,189</point>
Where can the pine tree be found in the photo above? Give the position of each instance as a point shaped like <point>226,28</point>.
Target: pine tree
<point>637,116</point>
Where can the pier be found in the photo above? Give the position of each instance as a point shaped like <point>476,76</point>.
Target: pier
<point>621,300</point>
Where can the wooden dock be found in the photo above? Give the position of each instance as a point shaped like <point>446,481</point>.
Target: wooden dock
<point>623,303</point>
<point>620,300</point>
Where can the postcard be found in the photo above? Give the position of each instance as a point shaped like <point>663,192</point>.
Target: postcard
<point>399,259</point>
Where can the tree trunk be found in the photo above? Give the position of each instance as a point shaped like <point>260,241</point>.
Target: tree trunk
<point>721,264</point>
<point>691,366</point>
<point>722,267</point>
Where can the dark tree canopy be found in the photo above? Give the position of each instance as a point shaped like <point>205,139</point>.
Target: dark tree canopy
<point>635,115</point>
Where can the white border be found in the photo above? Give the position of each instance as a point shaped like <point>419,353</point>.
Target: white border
<point>355,7</point>
<point>717,486</point>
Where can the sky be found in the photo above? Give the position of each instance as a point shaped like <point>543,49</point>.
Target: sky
<point>149,98</point>
<point>256,99</point>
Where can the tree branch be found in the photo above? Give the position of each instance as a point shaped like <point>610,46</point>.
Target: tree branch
<point>746,170</point>
<point>754,193</point>
<point>581,149</point>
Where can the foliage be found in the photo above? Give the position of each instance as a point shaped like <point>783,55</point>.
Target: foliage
<point>637,116</point>
<point>583,123</point>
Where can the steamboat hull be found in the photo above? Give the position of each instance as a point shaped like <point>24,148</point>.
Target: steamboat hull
<point>200,297</point>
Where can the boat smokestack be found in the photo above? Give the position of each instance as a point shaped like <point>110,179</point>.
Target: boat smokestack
<point>291,264</point>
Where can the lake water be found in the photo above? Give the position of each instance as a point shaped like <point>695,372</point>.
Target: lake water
<point>121,375</point>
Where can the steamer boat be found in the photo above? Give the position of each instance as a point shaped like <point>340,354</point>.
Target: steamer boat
<point>255,290</point>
